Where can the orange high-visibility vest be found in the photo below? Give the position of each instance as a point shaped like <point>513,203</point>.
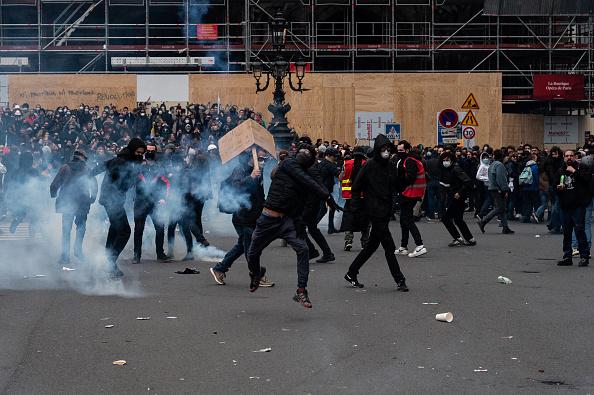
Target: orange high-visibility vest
<point>417,189</point>
<point>346,182</point>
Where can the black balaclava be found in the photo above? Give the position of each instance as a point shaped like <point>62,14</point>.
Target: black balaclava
<point>133,145</point>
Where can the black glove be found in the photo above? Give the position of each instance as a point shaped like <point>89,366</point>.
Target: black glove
<point>332,204</point>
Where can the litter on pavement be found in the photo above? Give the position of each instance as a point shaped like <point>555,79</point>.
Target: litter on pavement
<point>189,271</point>
<point>268,349</point>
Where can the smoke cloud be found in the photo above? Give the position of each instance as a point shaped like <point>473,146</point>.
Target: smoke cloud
<point>30,255</point>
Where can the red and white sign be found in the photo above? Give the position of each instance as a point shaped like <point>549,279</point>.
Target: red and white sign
<point>207,31</point>
<point>558,87</point>
<point>468,132</point>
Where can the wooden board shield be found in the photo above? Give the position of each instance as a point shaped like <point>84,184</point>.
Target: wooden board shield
<point>243,137</point>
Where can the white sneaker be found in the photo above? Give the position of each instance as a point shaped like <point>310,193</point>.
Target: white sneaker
<point>401,251</point>
<point>420,250</point>
<point>575,252</point>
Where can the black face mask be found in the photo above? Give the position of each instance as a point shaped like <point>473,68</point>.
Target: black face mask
<point>304,160</point>
<point>401,155</point>
<point>138,158</point>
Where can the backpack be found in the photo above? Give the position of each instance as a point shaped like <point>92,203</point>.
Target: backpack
<point>526,177</point>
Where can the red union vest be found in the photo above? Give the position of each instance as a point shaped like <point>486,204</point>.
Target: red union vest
<point>346,182</point>
<point>417,189</point>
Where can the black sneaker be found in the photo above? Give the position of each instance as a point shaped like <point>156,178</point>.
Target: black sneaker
<point>565,262</point>
<point>189,257</point>
<point>314,254</point>
<point>302,297</point>
<point>326,259</point>
<point>584,262</point>
<point>136,259</point>
<point>481,225</point>
<point>401,286</point>
<point>204,243</point>
<point>456,243</point>
<point>507,231</point>
<point>470,243</point>
<point>255,279</point>
<point>353,281</point>
<point>348,246</point>
<point>164,258</point>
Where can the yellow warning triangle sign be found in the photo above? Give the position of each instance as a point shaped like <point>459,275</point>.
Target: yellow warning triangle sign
<point>470,103</point>
<point>469,119</point>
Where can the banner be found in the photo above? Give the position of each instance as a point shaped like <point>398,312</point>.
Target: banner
<point>558,87</point>
<point>207,31</point>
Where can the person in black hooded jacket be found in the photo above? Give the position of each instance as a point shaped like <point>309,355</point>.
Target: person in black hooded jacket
<point>281,217</point>
<point>243,194</point>
<point>196,190</point>
<point>376,181</point>
<point>120,175</point>
<point>458,186</point>
<point>311,217</point>
<point>75,190</point>
<point>152,193</point>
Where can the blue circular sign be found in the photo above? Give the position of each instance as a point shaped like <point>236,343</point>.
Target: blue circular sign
<point>448,118</point>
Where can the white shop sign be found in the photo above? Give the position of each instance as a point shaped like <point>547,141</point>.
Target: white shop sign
<point>369,124</point>
<point>561,130</point>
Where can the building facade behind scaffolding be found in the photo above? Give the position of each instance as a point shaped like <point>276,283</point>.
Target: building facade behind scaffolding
<point>517,38</point>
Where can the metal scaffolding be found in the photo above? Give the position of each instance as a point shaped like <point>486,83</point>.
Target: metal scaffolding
<point>333,35</point>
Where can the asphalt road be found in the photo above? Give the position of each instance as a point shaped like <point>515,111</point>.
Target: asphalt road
<point>532,336</point>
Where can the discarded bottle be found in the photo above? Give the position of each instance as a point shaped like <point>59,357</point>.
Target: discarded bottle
<point>504,280</point>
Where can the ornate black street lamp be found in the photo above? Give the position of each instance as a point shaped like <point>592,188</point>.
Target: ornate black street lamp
<point>279,68</point>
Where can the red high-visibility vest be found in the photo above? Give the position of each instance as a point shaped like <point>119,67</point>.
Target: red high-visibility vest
<point>346,182</point>
<point>417,189</point>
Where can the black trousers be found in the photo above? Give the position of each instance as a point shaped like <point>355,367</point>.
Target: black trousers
<point>118,234</point>
<point>192,223</point>
<point>139,222</point>
<point>407,222</point>
<point>455,215</point>
<point>316,234</point>
<point>380,234</point>
<point>269,229</point>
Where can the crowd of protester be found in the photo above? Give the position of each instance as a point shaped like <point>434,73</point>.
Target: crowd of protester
<point>174,154</point>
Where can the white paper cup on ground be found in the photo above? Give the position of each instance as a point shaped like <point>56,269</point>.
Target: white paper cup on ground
<point>444,317</point>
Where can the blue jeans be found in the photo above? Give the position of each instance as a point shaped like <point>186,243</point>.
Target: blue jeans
<point>544,199</point>
<point>587,228</point>
<point>432,198</point>
<point>555,216</point>
<point>573,219</point>
<point>241,247</point>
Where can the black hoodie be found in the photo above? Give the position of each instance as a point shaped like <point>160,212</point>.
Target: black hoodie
<point>120,175</point>
<point>74,188</point>
<point>376,183</point>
